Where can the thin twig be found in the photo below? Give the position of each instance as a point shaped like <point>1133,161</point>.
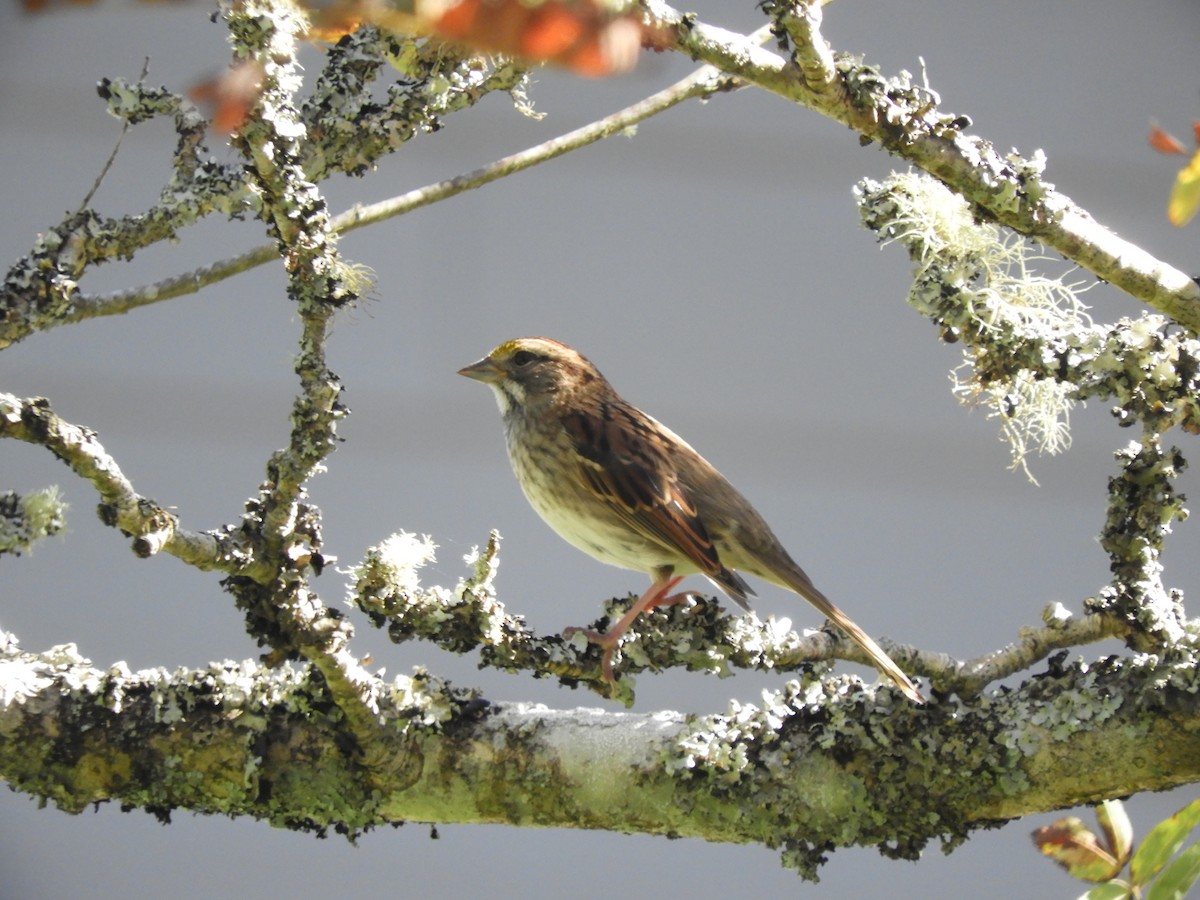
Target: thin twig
<point>87,198</point>
<point>704,81</point>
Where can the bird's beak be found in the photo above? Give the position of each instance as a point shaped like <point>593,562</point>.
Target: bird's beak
<point>485,370</point>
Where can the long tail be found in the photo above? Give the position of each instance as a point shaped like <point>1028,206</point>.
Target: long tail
<point>805,588</point>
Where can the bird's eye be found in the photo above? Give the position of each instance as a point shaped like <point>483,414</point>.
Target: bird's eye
<point>522,358</point>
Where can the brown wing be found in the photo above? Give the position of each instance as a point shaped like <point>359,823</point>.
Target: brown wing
<point>617,444</point>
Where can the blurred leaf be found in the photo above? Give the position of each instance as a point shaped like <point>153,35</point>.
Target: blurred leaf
<point>1177,878</point>
<point>1111,890</point>
<point>1118,832</point>
<point>1074,847</point>
<point>1185,196</point>
<point>590,37</point>
<point>1163,842</point>
<point>37,6</point>
<point>231,97</point>
<point>1164,142</point>
<point>585,36</point>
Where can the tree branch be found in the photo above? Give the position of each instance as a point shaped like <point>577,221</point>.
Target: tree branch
<point>151,526</point>
<point>823,762</point>
<point>704,82</point>
<point>1031,352</point>
<point>815,766</point>
<point>695,635</point>
<point>40,291</point>
<point>905,121</point>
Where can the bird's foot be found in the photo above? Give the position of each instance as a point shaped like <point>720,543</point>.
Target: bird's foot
<point>607,641</point>
<point>658,595</point>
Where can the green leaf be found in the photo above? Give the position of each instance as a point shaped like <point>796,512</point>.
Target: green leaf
<point>1177,878</point>
<point>1111,890</point>
<point>1118,833</point>
<point>1163,842</point>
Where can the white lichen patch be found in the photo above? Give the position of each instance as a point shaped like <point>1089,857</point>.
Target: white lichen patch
<point>984,285</point>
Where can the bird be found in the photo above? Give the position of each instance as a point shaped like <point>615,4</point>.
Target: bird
<point>625,489</point>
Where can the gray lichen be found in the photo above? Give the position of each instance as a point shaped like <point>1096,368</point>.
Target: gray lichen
<point>27,518</point>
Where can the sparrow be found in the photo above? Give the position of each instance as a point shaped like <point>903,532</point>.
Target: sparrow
<point>625,489</point>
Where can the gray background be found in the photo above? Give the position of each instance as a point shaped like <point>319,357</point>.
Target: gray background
<point>714,268</point>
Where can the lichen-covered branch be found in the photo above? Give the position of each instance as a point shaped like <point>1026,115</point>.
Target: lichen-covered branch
<point>150,525</point>
<point>1061,631</point>
<point>283,611</point>
<point>704,82</point>
<point>696,636</point>
<point>41,290</point>
<point>1142,504</point>
<point>1031,352</point>
<point>812,767</point>
<point>235,738</point>
<point>354,129</point>
<point>906,120</point>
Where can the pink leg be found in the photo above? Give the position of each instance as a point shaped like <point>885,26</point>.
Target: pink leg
<point>659,594</point>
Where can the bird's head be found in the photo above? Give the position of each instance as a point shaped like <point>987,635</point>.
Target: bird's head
<point>533,374</point>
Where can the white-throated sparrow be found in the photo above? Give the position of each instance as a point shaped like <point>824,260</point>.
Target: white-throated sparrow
<point>626,489</point>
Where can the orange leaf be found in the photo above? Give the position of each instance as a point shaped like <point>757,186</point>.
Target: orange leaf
<point>1069,843</point>
<point>459,20</point>
<point>1163,142</point>
<point>332,27</point>
<point>614,49</point>
<point>581,35</point>
<point>551,32</point>
<point>232,96</point>
<point>586,36</point>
